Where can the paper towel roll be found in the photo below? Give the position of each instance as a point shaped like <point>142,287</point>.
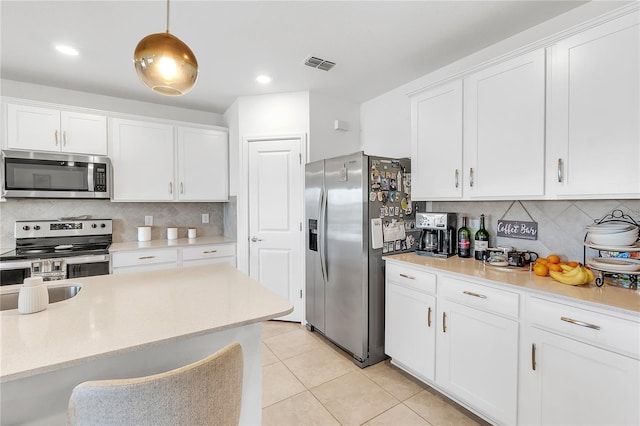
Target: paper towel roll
<point>172,233</point>
<point>144,233</point>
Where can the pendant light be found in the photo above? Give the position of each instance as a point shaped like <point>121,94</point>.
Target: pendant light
<point>165,64</point>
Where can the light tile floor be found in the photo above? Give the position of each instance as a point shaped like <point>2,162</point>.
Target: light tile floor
<point>309,381</point>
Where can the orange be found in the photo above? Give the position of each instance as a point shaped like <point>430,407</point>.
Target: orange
<point>540,270</point>
<point>554,267</point>
<point>572,264</point>
<point>553,258</point>
<point>541,260</point>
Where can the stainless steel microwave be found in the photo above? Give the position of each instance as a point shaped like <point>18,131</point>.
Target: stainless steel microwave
<point>52,175</point>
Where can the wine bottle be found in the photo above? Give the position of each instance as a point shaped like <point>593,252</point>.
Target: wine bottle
<point>464,239</point>
<point>481,241</point>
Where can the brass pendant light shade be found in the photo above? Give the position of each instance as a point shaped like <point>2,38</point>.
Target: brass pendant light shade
<point>165,64</point>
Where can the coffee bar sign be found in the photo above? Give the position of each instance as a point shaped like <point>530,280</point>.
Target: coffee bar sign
<point>518,229</point>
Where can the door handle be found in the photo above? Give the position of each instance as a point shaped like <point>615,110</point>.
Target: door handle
<point>170,187</point>
<point>64,138</point>
<point>181,187</point>
<point>471,177</point>
<point>444,322</point>
<point>457,178</point>
<point>533,356</point>
<point>255,239</point>
<point>560,177</point>
<point>429,317</point>
<point>56,136</point>
<point>322,236</point>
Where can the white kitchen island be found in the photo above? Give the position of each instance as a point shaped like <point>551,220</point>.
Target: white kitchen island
<point>131,325</point>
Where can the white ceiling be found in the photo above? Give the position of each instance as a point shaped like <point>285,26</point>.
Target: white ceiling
<point>377,45</point>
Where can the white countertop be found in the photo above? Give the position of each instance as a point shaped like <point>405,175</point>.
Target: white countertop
<point>117,313</point>
<point>181,242</point>
<point>623,299</point>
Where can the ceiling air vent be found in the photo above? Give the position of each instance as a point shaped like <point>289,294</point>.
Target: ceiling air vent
<point>319,63</point>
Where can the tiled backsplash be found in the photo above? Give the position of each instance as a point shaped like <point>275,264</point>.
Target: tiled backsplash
<point>561,224</point>
<point>126,216</point>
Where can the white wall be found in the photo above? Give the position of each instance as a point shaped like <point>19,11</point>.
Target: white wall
<point>385,120</point>
<point>324,140</point>
<point>232,119</point>
<point>35,92</point>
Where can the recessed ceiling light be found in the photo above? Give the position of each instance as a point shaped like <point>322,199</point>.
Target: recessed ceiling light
<point>67,50</point>
<point>263,79</point>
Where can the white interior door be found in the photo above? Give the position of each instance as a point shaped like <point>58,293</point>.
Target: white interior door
<point>275,218</point>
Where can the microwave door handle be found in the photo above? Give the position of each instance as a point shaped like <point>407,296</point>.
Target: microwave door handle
<point>90,177</point>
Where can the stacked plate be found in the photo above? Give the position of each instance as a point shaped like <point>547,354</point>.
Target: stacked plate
<point>612,234</point>
<point>615,264</point>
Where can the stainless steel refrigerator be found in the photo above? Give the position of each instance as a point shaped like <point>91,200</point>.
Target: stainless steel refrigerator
<point>357,209</point>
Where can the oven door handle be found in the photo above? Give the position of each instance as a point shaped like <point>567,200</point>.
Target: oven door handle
<point>15,264</point>
<point>85,259</point>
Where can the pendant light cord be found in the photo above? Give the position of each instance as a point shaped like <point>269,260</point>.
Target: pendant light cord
<point>167,16</point>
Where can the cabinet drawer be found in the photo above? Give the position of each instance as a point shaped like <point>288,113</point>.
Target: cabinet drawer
<point>143,257</point>
<point>205,252</point>
<point>585,325</point>
<point>490,299</point>
<point>413,278</point>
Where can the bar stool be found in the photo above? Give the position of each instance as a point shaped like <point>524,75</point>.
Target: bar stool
<point>206,392</point>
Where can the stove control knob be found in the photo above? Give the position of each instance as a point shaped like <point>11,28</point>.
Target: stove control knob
<point>102,225</point>
<point>26,227</point>
<point>93,225</point>
<point>37,227</point>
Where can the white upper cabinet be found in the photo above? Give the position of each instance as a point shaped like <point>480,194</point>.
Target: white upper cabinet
<point>49,129</point>
<point>504,129</point>
<point>142,157</point>
<point>154,161</point>
<point>594,124</point>
<point>436,120</point>
<point>203,165</point>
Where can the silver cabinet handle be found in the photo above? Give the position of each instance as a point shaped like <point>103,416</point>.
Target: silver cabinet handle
<point>209,251</point>
<point>429,317</point>
<point>470,293</point>
<point>580,323</point>
<point>444,322</point>
<point>255,239</point>
<point>533,356</point>
<point>170,187</point>
<point>559,169</point>
<point>181,188</point>
<point>457,178</point>
<point>146,257</point>
<point>409,277</point>
<point>471,177</point>
<point>56,136</point>
<point>64,138</point>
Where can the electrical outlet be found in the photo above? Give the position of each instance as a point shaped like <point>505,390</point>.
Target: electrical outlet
<point>205,217</point>
<point>148,220</point>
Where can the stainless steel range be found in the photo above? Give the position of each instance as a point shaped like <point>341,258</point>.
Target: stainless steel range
<point>57,249</point>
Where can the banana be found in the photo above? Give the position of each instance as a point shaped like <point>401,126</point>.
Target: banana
<point>590,275</point>
<point>577,276</point>
<point>566,268</point>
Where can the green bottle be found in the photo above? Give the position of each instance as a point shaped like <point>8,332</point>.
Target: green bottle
<point>481,246</point>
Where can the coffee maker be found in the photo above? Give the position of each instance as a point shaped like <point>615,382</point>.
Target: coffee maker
<point>438,234</point>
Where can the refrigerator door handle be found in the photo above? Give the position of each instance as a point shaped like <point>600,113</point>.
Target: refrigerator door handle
<point>322,243</point>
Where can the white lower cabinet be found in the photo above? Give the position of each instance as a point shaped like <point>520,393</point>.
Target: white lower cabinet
<point>477,353</point>
<point>578,367</point>
<point>201,255</point>
<point>411,312</point>
<point>139,260</point>
<point>144,260</point>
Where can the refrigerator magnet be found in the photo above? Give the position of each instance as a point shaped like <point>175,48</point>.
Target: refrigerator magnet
<point>381,212</point>
<point>384,184</point>
<point>397,210</point>
<point>392,184</point>
<point>372,196</point>
<point>398,245</point>
<point>385,247</point>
